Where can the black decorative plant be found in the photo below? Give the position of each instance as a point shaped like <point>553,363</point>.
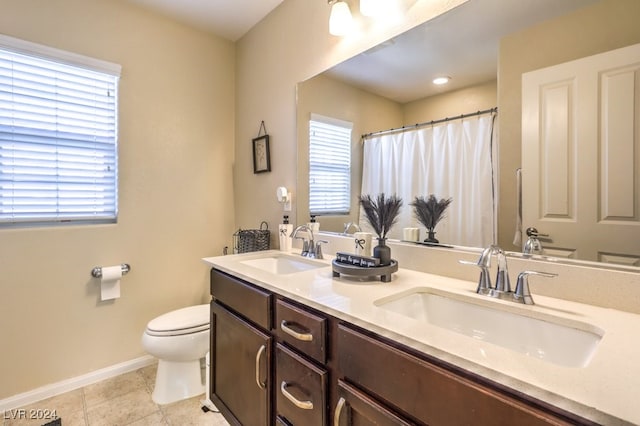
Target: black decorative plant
<point>382,213</point>
<point>429,211</point>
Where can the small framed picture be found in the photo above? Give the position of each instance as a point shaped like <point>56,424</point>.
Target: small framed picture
<point>261,158</point>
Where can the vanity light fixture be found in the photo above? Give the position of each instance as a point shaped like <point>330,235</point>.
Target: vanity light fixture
<point>441,80</point>
<point>340,20</point>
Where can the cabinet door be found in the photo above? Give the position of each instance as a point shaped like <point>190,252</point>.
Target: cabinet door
<point>355,408</point>
<point>240,368</point>
<point>301,389</point>
<point>580,162</point>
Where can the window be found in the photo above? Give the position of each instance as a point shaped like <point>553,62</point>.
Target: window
<point>329,165</point>
<point>58,136</point>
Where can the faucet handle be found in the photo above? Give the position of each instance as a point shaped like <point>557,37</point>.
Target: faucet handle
<point>522,294</point>
<point>484,282</point>
<point>533,232</point>
<point>319,248</point>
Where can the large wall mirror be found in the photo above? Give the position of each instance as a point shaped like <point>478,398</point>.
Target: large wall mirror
<point>484,46</point>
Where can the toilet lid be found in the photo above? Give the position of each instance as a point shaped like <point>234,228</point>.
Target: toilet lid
<point>181,321</point>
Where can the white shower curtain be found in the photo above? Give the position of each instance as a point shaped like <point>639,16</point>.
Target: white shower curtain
<point>451,159</point>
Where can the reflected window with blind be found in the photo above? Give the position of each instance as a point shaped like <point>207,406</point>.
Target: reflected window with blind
<point>58,136</point>
<point>329,166</point>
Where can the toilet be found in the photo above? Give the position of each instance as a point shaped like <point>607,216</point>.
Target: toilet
<point>180,341</point>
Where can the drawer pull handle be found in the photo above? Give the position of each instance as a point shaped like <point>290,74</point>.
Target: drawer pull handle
<point>336,414</point>
<point>305,337</point>
<point>261,385</point>
<point>305,405</point>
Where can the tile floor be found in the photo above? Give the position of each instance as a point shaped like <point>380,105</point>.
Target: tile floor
<point>121,400</point>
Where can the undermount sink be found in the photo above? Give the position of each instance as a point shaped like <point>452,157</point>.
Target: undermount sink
<point>559,341</point>
<point>281,264</point>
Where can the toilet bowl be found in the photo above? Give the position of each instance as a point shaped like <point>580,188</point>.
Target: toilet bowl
<point>180,341</point>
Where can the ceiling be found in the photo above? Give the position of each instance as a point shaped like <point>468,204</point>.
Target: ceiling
<point>230,19</point>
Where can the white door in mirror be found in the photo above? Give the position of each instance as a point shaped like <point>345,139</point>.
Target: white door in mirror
<point>579,155</point>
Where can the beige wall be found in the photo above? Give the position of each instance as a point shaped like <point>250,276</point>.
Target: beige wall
<point>368,112</point>
<point>176,202</point>
<point>607,25</point>
<point>463,101</point>
<point>290,45</point>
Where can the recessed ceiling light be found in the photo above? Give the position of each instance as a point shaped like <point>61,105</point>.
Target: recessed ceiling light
<point>441,80</point>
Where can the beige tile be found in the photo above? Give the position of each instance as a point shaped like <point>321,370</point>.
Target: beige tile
<point>189,413</point>
<point>148,373</point>
<point>123,409</point>
<point>101,392</point>
<point>26,418</point>
<point>74,419</point>
<point>67,405</point>
<point>155,419</point>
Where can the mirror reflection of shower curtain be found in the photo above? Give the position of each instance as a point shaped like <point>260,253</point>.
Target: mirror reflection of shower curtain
<point>452,159</point>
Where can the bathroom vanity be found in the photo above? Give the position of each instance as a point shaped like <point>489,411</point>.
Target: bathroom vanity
<point>292,345</point>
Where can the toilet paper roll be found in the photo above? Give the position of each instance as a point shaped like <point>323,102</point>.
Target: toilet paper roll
<point>362,242</point>
<point>110,282</point>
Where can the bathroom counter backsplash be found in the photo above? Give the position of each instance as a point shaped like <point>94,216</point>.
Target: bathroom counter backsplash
<point>603,391</point>
<point>584,283</point>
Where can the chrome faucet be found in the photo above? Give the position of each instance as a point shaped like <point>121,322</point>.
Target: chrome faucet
<point>533,245</point>
<point>310,248</point>
<point>502,289</point>
<point>349,225</point>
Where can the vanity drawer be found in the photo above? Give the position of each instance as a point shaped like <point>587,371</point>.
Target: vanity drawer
<point>302,329</point>
<point>301,390</point>
<point>250,302</point>
<point>425,391</point>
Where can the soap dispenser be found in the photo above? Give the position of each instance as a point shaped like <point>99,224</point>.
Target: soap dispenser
<point>313,225</point>
<point>284,231</point>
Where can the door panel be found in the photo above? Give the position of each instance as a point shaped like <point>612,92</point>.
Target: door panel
<point>581,156</point>
<point>240,363</point>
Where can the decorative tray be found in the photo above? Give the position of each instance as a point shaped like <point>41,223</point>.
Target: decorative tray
<point>384,272</point>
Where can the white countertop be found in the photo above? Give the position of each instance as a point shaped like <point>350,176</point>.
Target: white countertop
<point>606,391</point>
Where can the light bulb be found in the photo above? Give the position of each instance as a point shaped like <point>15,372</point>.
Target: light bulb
<point>340,19</point>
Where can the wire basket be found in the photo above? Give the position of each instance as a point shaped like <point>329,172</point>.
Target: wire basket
<point>246,240</point>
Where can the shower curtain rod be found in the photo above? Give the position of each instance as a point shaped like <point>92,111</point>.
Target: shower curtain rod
<point>430,123</point>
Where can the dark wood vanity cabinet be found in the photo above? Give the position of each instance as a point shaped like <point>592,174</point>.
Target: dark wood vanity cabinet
<point>241,353</point>
<point>277,361</point>
<point>254,380</point>
<point>420,391</point>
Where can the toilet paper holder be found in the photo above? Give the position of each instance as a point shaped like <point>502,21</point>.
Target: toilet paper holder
<point>97,271</point>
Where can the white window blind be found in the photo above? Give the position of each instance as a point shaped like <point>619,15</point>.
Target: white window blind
<point>58,136</point>
<point>329,165</point>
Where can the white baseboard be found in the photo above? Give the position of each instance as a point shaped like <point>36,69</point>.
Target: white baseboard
<point>73,383</point>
